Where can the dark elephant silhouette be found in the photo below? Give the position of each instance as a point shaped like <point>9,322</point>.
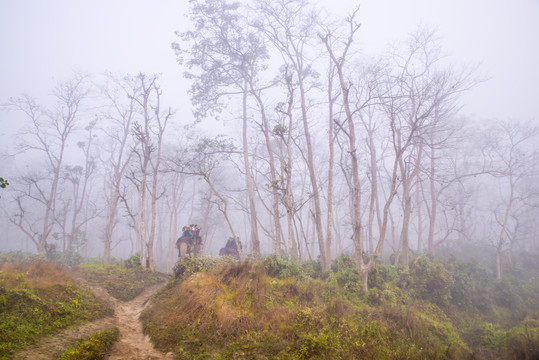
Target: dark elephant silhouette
<point>230,249</point>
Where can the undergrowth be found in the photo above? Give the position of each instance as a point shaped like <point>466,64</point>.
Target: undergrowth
<point>39,299</point>
<point>94,346</point>
<point>278,309</point>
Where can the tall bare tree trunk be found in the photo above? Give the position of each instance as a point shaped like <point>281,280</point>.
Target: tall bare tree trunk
<point>317,216</point>
<point>255,242</point>
<point>331,160</point>
<point>273,173</point>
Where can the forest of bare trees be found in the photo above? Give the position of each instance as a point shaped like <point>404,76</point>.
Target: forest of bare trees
<point>333,151</point>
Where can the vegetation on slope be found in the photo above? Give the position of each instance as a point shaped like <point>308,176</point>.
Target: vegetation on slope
<point>40,298</point>
<point>278,310</point>
<point>94,346</point>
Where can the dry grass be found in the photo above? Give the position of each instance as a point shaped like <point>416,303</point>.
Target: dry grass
<point>238,312</point>
<point>220,306</point>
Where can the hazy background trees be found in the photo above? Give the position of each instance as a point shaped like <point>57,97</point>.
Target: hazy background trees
<point>337,150</point>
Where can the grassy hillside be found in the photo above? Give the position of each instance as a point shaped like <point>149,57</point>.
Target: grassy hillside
<point>278,310</point>
<point>38,299</point>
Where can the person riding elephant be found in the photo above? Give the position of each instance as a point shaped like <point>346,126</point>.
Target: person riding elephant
<point>188,244</point>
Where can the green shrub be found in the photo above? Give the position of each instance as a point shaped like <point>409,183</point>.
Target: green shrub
<point>377,296</point>
<point>190,265</point>
<point>523,341</point>
<point>345,274</point>
<point>313,269</point>
<point>92,347</point>
<point>427,280</point>
<point>383,275</point>
<point>281,268</point>
<point>133,262</point>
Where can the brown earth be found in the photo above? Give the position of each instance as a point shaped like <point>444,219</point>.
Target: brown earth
<point>132,344</point>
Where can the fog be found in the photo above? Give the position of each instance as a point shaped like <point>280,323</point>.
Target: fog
<point>107,145</point>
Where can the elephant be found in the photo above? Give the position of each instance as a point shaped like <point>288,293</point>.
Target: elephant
<point>230,249</point>
<point>187,245</point>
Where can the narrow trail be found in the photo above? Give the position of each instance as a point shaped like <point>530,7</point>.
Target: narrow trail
<point>132,344</point>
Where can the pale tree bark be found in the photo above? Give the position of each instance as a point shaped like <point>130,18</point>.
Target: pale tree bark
<point>161,121</point>
<point>265,126</point>
<point>373,176</point>
<point>249,179</point>
<point>331,163</point>
<point>174,197</point>
<point>409,169</point>
<point>284,184</point>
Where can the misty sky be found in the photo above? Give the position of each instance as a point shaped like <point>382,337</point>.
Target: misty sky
<point>42,42</point>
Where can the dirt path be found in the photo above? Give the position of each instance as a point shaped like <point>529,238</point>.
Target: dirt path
<point>132,344</point>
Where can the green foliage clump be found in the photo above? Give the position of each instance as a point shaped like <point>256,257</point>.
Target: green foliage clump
<point>345,274</point>
<point>313,269</point>
<point>427,280</point>
<point>124,283</point>
<point>133,262</point>
<point>522,341</point>
<point>94,346</point>
<point>39,299</point>
<point>281,268</point>
<point>383,276</point>
<point>191,265</point>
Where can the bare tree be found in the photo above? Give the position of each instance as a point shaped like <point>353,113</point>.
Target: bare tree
<point>421,96</point>
<point>47,135</point>
<point>348,127</point>
<point>512,149</point>
<point>148,135</point>
<point>284,133</point>
<point>80,180</point>
<point>289,25</point>
<point>118,121</point>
